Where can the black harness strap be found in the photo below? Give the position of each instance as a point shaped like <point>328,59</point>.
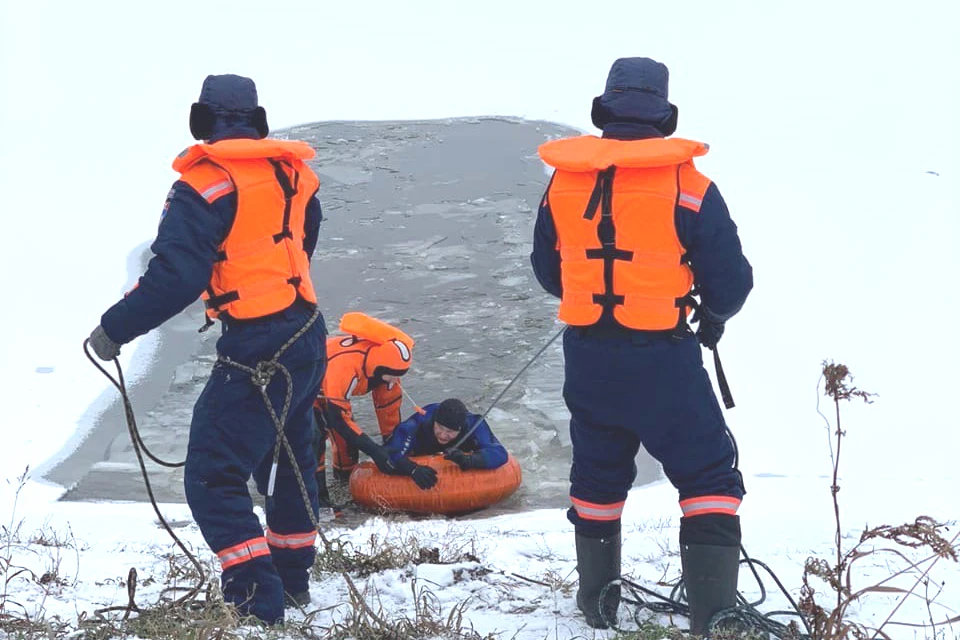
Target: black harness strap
<point>722,381</point>
<point>215,302</point>
<point>289,190</point>
<point>602,198</point>
<point>689,301</point>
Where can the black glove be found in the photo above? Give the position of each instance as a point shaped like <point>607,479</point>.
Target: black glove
<point>102,345</point>
<point>381,458</point>
<point>425,477</point>
<point>404,466</point>
<point>709,329</point>
<point>463,460</point>
<point>377,453</point>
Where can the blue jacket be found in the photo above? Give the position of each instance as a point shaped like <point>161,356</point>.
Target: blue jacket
<point>188,239</point>
<point>414,437</point>
<point>722,274</point>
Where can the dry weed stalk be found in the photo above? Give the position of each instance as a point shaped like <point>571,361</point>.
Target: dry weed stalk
<point>923,533</point>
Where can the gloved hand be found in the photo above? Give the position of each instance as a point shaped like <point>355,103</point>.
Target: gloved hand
<point>377,453</point>
<point>424,476</point>
<point>102,345</point>
<point>463,460</point>
<point>381,458</point>
<point>709,329</point>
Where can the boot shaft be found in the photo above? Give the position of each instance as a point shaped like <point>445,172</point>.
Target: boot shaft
<point>710,575</point>
<point>598,563</point>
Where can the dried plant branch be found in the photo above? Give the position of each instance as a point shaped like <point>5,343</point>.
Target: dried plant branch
<point>922,577</point>
<point>924,532</point>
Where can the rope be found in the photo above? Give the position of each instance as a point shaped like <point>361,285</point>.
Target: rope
<point>140,449</point>
<point>462,439</point>
<point>260,376</point>
<point>743,617</point>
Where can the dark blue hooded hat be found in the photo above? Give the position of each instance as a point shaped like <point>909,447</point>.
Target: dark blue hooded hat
<point>228,108</point>
<point>636,92</point>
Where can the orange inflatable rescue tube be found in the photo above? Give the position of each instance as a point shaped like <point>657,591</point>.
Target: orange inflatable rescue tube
<point>456,491</point>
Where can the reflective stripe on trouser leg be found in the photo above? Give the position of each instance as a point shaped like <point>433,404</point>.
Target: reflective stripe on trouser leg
<point>703,505</point>
<point>595,511</point>
<point>291,540</point>
<point>243,552</point>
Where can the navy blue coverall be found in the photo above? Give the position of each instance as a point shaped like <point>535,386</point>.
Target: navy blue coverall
<point>625,388</point>
<point>232,434</point>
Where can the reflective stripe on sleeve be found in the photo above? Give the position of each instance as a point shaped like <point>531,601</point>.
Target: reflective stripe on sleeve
<point>214,191</point>
<point>690,201</point>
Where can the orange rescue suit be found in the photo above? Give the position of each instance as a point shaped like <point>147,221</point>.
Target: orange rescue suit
<point>346,377</point>
<point>261,266</point>
<point>348,368</point>
<point>613,204</point>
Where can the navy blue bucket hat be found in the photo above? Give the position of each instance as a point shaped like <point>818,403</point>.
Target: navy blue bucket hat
<point>227,103</point>
<point>636,91</point>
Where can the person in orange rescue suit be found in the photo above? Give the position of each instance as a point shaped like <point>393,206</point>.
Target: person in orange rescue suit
<point>370,358</point>
<point>238,228</point>
<point>627,228</point>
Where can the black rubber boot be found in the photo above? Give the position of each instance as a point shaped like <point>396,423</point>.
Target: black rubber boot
<point>710,579</point>
<point>296,600</point>
<point>598,562</point>
<point>710,557</point>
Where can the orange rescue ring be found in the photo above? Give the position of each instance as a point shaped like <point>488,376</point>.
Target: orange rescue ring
<point>456,491</point>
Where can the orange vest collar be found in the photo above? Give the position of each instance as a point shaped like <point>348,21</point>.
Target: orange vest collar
<point>243,149</point>
<point>590,153</point>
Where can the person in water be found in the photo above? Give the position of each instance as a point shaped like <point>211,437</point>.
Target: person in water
<point>447,427</point>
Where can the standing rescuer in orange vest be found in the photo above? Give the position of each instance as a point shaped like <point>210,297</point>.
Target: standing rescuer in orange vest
<point>238,229</point>
<point>627,231</point>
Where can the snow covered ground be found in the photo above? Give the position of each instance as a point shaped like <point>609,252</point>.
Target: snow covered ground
<point>833,138</point>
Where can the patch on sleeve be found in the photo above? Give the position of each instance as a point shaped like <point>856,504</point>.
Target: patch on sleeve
<point>166,203</point>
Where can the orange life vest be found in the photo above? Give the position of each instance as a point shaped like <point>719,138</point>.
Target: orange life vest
<point>262,266</point>
<point>613,204</point>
